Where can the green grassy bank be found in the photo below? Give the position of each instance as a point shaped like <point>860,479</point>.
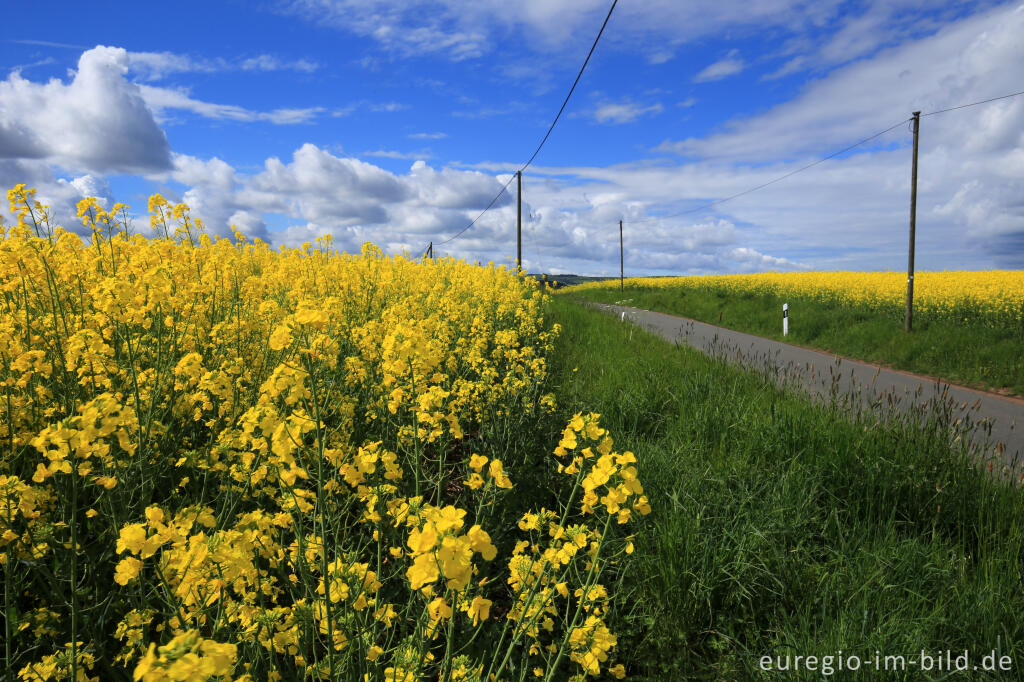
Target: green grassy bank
<point>780,527</point>
<point>970,352</point>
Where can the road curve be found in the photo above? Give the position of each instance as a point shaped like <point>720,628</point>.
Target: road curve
<point>988,420</point>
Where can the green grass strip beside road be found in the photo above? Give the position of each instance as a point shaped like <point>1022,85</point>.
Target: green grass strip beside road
<point>968,352</point>
<point>779,526</point>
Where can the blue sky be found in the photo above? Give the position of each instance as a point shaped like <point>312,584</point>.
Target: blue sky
<point>397,122</point>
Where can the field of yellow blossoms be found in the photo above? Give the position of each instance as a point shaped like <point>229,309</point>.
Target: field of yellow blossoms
<point>222,461</point>
<point>992,297</point>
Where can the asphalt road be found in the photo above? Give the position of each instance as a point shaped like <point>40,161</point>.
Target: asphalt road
<point>984,420</point>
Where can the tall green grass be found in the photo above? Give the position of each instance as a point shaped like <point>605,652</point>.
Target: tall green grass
<point>780,526</point>
<point>972,353</point>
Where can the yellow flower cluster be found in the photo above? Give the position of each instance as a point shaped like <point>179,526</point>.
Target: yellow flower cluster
<point>186,657</point>
<point>992,294</point>
<point>68,663</point>
<point>541,570</point>
<point>247,463</point>
<point>23,530</point>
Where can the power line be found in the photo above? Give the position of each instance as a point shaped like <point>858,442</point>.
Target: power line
<point>822,160</point>
<point>550,128</point>
<point>710,204</point>
<point>770,182</point>
<point>460,232</point>
<point>573,88</point>
<point>974,104</point>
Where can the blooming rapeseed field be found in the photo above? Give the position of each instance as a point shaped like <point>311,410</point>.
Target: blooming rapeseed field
<point>992,297</point>
<point>223,461</point>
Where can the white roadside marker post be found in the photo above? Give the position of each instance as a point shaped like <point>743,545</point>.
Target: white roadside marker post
<point>785,319</point>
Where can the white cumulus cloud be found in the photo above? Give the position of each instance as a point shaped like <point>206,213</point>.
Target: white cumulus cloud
<point>98,121</point>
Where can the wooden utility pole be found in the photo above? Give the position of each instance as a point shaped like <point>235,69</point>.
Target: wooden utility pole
<point>909,323</point>
<point>622,261</point>
<point>430,250</point>
<point>519,221</point>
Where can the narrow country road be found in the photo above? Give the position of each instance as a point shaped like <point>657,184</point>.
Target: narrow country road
<point>990,419</point>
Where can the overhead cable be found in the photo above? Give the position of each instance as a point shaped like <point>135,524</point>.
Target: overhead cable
<point>548,133</point>
<point>770,182</point>
<point>974,104</point>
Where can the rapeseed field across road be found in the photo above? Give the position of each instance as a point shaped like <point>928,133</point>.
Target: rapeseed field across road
<point>968,326</point>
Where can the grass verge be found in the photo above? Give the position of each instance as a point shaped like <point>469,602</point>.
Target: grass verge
<point>781,527</point>
<point>972,353</point>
